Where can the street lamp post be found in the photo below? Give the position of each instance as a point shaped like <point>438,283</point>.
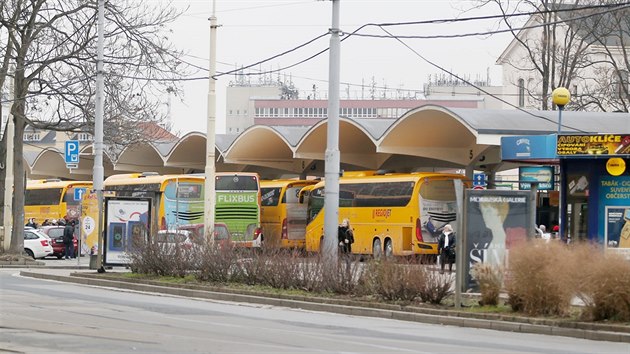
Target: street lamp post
<point>560,97</point>
<point>333,158</point>
<point>210,169</point>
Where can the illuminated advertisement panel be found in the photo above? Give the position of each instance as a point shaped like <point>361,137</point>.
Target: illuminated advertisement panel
<point>593,145</point>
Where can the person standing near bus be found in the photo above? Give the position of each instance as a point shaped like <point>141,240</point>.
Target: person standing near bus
<point>68,239</point>
<point>345,237</point>
<point>446,248</point>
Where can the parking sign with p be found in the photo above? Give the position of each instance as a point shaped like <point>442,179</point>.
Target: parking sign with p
<point>71,153</point>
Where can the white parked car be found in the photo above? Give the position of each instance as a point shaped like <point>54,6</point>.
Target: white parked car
<point>37,244</point>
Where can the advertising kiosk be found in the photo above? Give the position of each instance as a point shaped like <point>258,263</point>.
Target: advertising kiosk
<point>594,183</point>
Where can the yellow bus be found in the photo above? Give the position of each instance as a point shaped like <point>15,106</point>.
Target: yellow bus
<point>52,199</point>
<point>390,214</point>
<point>283,213</point>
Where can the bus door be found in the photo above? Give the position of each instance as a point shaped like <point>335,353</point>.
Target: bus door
<point>438,207</point>
<point>296,214</point>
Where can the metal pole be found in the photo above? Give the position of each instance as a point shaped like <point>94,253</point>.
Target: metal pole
<point>210,171</point>
<point>332,158</point>
<point>533,206</point>
<point>98,174</point>
<point>560,119</point>
<point>80,238</point>
<point>460,243</point>
<point>560,179</point>
<point>8,181</point>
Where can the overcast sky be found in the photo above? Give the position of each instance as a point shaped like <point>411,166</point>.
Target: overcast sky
<point>253,30</point>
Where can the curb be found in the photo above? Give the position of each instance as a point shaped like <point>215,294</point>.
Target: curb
<point>351,308</point>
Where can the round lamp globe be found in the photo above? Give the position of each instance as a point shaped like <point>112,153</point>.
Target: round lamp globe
<point>560,96</point>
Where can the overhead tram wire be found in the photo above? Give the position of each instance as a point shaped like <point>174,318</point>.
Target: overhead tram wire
<point>355,33</point>
<point>613,7</point>
<point>503,16</point>
<point>474,34</point>
<point>475,86</point>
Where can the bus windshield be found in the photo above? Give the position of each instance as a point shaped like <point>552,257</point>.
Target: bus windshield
<point>236,183</point>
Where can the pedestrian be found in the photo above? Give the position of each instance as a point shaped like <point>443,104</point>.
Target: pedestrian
<point>446,248</point>
<point>31,223</point>
<point>46,222</point>
<point>345,237</point>
<point>68,240</point>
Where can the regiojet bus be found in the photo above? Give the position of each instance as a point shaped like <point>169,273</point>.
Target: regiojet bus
<point>390,214</point>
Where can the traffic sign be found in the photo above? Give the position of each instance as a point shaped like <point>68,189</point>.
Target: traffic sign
<point>478,187</point>
<point>479,179</point>
<point>71,152</point>
<point>78,193</point>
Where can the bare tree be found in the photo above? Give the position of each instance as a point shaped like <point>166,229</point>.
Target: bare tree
<point>608,89</point>
<point>557,46</point>
<point>52,46</point>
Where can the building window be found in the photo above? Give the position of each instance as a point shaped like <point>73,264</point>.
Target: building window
<point>521,93</point>
<point>84,137</point>
<point>31,137</point>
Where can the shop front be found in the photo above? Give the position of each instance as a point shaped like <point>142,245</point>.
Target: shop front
<point>596,182</point>
<point>593,190</point>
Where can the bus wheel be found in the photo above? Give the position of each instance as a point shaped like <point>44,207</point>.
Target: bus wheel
<point>389,249</point>
<point>377,251</point>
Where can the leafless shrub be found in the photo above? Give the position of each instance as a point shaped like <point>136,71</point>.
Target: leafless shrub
<point>162,259</point>
<point>252,269</point>
<point>217,262</point>
<point>342,277</point>
<point>394,281</point>
<point>490,280</point>
<point>605,287</point>
<point>281,269</point>
<point>436,287</point>
<point>312,273</point>
<point>538,281</point>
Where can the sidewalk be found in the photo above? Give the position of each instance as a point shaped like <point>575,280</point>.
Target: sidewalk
<point>503,322</point>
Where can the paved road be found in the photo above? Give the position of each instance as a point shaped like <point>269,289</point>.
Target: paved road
<point>38,316</point>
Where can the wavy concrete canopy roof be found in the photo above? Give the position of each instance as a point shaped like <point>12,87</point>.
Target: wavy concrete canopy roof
<point>270,147</point>
<point>424,138</point>
<point>357,142</point>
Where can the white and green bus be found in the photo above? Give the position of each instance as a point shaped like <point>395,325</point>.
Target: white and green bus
<point>180,202</point>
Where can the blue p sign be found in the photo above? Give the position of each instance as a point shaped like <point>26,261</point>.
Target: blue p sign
<point>72,151</point>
